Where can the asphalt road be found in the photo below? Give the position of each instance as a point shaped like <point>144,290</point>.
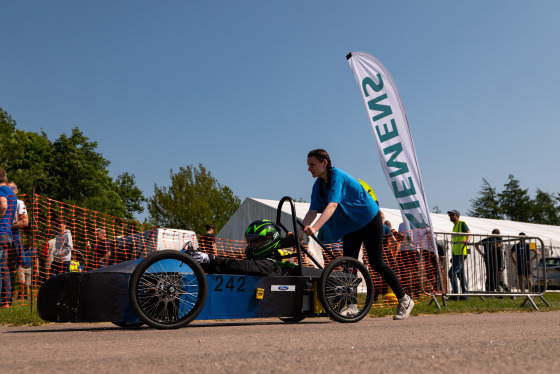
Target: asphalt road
<point>466,343</point>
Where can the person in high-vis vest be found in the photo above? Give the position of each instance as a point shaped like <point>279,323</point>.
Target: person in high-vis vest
<point>459,253</point>
<point>75,267</point>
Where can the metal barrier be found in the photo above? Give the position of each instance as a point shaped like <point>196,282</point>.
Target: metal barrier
<point>476,265</point>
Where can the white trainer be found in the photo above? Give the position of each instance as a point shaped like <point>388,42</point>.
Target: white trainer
<point>349,310</point>
<point>404,308</point>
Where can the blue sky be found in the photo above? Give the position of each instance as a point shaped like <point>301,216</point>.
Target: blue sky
<point>247,88</point>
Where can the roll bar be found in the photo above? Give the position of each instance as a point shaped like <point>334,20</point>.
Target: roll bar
<point>295,223</point>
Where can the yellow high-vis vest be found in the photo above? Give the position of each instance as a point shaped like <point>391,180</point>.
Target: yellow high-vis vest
<point>459,248</point>
<point>74,266</point>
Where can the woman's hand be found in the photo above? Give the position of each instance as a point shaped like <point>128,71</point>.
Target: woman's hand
<point>309,230</point>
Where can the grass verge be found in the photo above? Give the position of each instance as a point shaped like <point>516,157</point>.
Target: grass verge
<point>19,315</point>
<point>478,305</point>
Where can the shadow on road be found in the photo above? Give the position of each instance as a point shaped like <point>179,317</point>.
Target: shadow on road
<point>195,324</point>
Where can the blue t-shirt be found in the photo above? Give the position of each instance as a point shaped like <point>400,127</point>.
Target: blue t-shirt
<point>26,256</point>
<point>356,207</point>
<point>8,217</point>
<point>326,237</point>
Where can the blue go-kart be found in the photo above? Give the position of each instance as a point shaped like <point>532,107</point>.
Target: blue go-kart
<point>168,289</point>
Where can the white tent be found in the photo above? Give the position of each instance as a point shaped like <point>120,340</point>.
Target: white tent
<point>253,209</point>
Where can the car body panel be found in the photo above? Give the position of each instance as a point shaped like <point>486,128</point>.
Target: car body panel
<point>102,295</point>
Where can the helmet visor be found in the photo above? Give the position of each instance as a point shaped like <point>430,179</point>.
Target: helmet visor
<point>255,241</point>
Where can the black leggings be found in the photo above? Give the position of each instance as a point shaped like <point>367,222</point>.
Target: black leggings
<point>372,237</point>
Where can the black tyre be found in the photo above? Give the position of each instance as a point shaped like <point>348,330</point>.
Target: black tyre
<point>168,289</point>
<point>292,319</point>
<point>128,325</point>
<point>346,290</point>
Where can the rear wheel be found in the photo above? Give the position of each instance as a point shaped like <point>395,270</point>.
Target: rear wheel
<point>346,290</point>
<point>292,319</point>
<point>168,289</point>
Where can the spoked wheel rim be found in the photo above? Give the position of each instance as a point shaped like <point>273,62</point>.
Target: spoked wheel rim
<point>346,290</point>
<point>168,289</point>
<point>164,299</point>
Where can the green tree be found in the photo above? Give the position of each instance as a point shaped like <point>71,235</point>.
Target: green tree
<point>130,194</point>
<point>194,199</point>
<point>80,171</point>
<point>28,160</point>
<point>26,156</point>
<point>69,170</point>
<point>515,202</point>
<point>487,205</point>
<point>82,178</point>
<point>544,209</point>
<point>7,129</point>
<point>7,126</point>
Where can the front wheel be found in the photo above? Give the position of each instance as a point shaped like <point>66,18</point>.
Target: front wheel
<point>168,289</point>
<point>346,290</point>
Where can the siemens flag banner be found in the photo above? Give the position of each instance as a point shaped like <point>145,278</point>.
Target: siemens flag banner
<point>394,143</point>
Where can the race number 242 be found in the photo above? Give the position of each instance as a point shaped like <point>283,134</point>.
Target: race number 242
<point>229,283</point>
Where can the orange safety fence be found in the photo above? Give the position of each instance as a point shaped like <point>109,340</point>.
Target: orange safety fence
<point>415,268</point>
<point>70,238</point>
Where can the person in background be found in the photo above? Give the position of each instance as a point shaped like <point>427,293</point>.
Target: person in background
<point>103,249</point>
<point>389,240</point>
<point>522,255</point>
<point>8,206</point>
<point>75,265</point>
<point>28,261</point>
<point>459,254</point>
<point>350,212</point>
<point>21,221</point>
<point>208,240</point>
<point>395,234</point>
<point>493,259</point>
<point>389,225</point>
<point>47,259</point>
<point>62,253</point>
<point>409,257</point>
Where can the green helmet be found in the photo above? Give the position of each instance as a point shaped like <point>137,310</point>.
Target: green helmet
<point>263,238</point>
